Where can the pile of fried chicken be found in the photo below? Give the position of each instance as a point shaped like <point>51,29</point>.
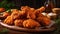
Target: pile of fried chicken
<point>26,17</point>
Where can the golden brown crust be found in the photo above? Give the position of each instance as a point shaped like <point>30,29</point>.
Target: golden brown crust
<point>9,20</point>
<point>5,14</point>
<point>18,22</point>
<point>25,8</point>
<point>31,23</point>
<point>41,9</point>
<point>2,9</point>
<point>27,17</point>
<point>45,20</point>
<point>15,15</point>
<point>31,15</point>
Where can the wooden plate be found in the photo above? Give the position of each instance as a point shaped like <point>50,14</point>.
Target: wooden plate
<point>40,29</point>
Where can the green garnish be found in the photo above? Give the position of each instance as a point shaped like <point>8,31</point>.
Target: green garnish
<point>4,31</point>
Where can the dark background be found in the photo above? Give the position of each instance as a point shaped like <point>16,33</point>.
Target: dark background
<point>33,3</point>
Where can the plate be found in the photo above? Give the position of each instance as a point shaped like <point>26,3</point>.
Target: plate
<point>51,27</point>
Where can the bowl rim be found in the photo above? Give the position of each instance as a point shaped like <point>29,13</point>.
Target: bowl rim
<point>55,9</point>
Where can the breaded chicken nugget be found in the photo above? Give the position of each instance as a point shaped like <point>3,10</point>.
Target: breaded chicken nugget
<point>31,23</point>
<point>9,20</point>
<point>18,22</point>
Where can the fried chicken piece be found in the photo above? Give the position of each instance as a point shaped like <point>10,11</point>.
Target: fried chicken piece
<point>32,9</point>
<point>9,20</point>
<point>18,22</point>
<point>31,23</point>
<point>25,8</point>
<point>22,13</point>
<point>45,20</point>
<point>5,14</point>
<point>2,9</point>
<point>40,10</point>
<point>40,17</point>
<point>15,15</point>
<point>31,14</point>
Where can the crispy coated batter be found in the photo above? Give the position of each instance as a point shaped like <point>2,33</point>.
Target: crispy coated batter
<point>18,22</point>
<point>15,15</point>
<point>31,23</point>
<point>2,9</point>
<point>40,17</point>
<point>28,11</point>
<point>45,20</point>
<point>27,17</point>
<point>25,8</point>
<point>39,11</point>
<point>9,20</point>
<point>31,14</point>
<point>5,14</point>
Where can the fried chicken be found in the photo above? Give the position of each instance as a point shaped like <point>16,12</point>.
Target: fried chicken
<point>39,11</point>
<point>40,17</point>
<point>43,20</point>
<point>2,9</point>
<point>9,20</point>
<point>18,22</point>
<point>27,17</point>
<point>15,15</point>
<point>25,8</point>
<point>46,21</point>
<point>23,14</point>
<point>31,14</point>
<point>5,14</point>
<point>31,23</point>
